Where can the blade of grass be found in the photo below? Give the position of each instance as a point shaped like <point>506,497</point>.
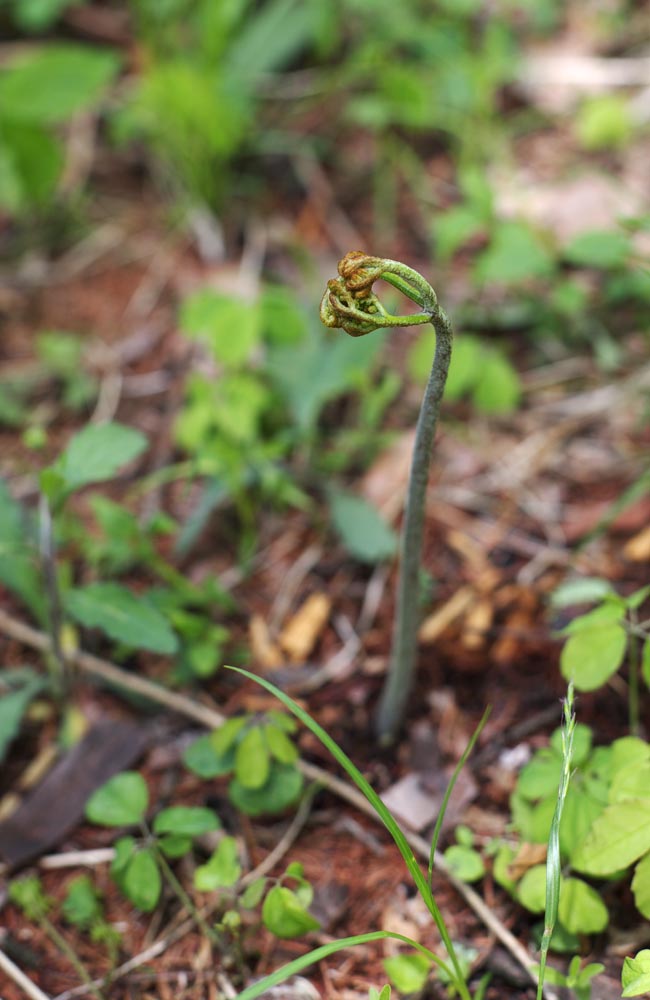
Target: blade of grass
<point>385,815</point>
<point>298,964</point>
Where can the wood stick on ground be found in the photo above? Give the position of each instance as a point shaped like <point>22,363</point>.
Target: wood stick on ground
<point>210,717</point>
<point>21,980</point>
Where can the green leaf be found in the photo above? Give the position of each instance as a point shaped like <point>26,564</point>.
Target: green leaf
<point>465,863</point>
<point>31,161</point>
<point>96,453</point>
<point>188,821</point>
<point>586,590</point>
<point>51,84</point>
<point>221,870</point>
<point>280,791</point>
<point>631,782</point>
<point>37,15</point>
<point>122,615</point>
<point>18,555</point>
<point>122,801</point>
<point>229,325</point>
<point>540,777</point>
<point>515,254</point>
<point>592,655</point>
<point>283,914</point>
<point>280,745</point>
<point>175,845</point>
<point>582,741</point>
<point>641,886</point>
<point>201,758</point>
<point>531,890</point>
<point>635,976</point>
<point>252,896</point>
<point>252,762</point>
<point>81,906</point>
<point>408,973</point>
<point>223,738</point>
<point>498,389</point>
<point>25,684</point>
<point>605,122</point>
<point>599,248</point>
<point>620,836</point>
<point>125,848</point>
<point>142,882</point>
<point>581,910</point>
<point>363,531</point>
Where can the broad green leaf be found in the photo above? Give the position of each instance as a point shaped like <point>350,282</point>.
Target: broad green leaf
<point>581,909</point>
<point>142,882</point>
<point>188,821</point>
<point>229,325</point>
<point>283,914</point>
<point>252,762</point>
<point>280,745</point>
<point>122,801</point>
<point>641,886</point>
<point>599,248</point>
<point>96,453</point>
<point>122,615</point>
<point>635,976</point>
<point>591,656</point>
<point>605,122</point>
<point>626,751</point>
<point>631,782</point>
<point>363,531</point>
<point>408,973</point>
<point>37,15</point>
<point>465,863</point>
<point>516,254</point>
<point>610,611</point>
<point>174,845</point>
<point>501,868</point>
<point>497,389</point>
<point>540,777</point>
<point>620,836</point>
<point>31,161</point>
<point>580,812</point>
<point>125,848</point>
<point>201,758</point>
<point>531,890</point>
<point>281,790</point>
<point>221,870</point>
<point>49,85</point>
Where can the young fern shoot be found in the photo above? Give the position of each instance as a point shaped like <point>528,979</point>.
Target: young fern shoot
<point>350,303</point>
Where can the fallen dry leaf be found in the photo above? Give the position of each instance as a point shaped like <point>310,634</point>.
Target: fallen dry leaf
<point>526,857</point>
<point>436,623</point>
<point>637,548</point>
<point>476,623</point>
<point>302,631</point>
<point>264,651</point>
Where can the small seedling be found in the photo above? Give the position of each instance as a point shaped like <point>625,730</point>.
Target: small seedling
<point>350,304</point>
<point>453,967</point>
<point>260,754</point>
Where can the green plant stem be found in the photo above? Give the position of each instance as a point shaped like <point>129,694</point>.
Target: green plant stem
<point>180,892</point>
<point>59,668</point>
<point>633,677</point>
<point>553,862</point>
<point>399,680</point>
<point>71,955</point>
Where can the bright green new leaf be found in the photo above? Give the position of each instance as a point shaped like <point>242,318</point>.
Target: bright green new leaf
<point>599,248</point>
<point>281,790</point>
<point>497,389</point>
<point>581,910</point>
<point>284,915</point>
<point>221,870</point>
<point>635,977</point>
<point>641,886</point>
<point>122,615</point>
<point>631,782</point>
<point>253,894</point>
<point>50,84</point>
<point>584,590</point>
<point>280,745</point>
<point>620,836</point>
<point>224,737</point>
<point>82,906</point>
<point>96,453</point>
<point>592,655</point>
<point>188,821</point>
<point>229,325</point>
<point>465,863</point>
<point>252,762</point>
<point>540,777</point>
<point>141,882</point>
<point>174,845</point>
<point>122,801</point>
<point>408,973</point>
<point>516,254</point>
<point>363,531</point>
